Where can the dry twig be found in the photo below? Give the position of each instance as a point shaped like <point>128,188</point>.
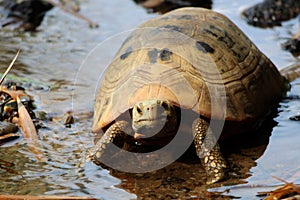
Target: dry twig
<point>9,67</point>
<point>285,190</point>
<point>59,5</point>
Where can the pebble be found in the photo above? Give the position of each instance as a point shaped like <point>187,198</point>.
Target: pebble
<point>6,127</point>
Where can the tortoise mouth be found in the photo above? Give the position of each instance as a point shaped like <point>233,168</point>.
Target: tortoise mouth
<point>159,119</point>
<point>148,124</point>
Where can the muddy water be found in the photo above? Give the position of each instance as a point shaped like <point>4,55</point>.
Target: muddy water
<point>67,59</point>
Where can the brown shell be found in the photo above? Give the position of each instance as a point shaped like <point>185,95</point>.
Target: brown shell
<point>197,59</point>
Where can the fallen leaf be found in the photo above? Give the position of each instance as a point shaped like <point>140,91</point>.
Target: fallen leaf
<point>13,93</point>
<point>29,132</point>
<point>9,136</point>
<point>285,190</point>
<point>25,122</point>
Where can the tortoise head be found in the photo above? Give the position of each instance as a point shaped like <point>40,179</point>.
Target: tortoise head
<point>151,117</point>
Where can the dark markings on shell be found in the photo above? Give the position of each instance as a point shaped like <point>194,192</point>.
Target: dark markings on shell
<point>166,18</point>
<point>152,54</point>
<point>236,54</point>
<point>231,27</point>
<point>106,102</point>
<point>226,39</point>
<point>126,54</point>
<point>243,48</point>
<point>220,34</point>
<point>172,28</point>
<point>165,54</point>
<point>215,17</point>
<point>100,114</point>
<point>210,32</point>
<point>204,47</point>
<point>212,27</point>
<point>99,117</point>
<point>253,85</point>
<point>186,17</point>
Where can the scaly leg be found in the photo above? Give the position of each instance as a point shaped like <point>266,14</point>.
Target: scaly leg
<point>117,132</point>
<point>210,154</point>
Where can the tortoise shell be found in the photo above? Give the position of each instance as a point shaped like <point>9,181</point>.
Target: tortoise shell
<point>198,60</point>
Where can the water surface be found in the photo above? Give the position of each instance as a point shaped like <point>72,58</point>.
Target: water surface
<point>55,57</point>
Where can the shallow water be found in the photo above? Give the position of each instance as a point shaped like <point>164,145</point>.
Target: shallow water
<point>56,58</point>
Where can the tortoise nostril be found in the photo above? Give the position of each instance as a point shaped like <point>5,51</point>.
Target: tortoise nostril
<point>139,110</point>
<point>164,105</point>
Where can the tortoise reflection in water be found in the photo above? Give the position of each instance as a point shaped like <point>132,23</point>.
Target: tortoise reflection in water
<point>180,62</point>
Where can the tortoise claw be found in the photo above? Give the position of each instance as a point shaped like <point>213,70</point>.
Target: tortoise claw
<point>215,173</point>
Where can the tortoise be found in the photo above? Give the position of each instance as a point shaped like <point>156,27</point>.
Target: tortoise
<point>190,60</point>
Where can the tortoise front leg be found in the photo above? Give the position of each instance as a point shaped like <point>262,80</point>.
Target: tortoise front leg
<point>210,154</point>
<point>117,132</point>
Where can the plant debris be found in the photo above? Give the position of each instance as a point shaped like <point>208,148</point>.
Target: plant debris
<point>286,191</point>
<point>16,108</point>
<point>27,15</point>
<point>69,120</point>
<point>73,12</point>
<point>293,44</point>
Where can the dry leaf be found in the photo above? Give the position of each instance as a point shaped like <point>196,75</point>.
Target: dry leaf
<point>9,136</point>
<point>25,122</point>
<point>29,132</point>
<point>13,93</point>
<point>287,189</point>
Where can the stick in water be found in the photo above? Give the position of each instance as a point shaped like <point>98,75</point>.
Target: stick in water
<point>9,67</point>
<point>90,22</point>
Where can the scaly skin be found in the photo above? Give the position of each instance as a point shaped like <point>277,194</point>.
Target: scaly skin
<point>117,130</point>
<point>148,115</point>
<point>210,155</point>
